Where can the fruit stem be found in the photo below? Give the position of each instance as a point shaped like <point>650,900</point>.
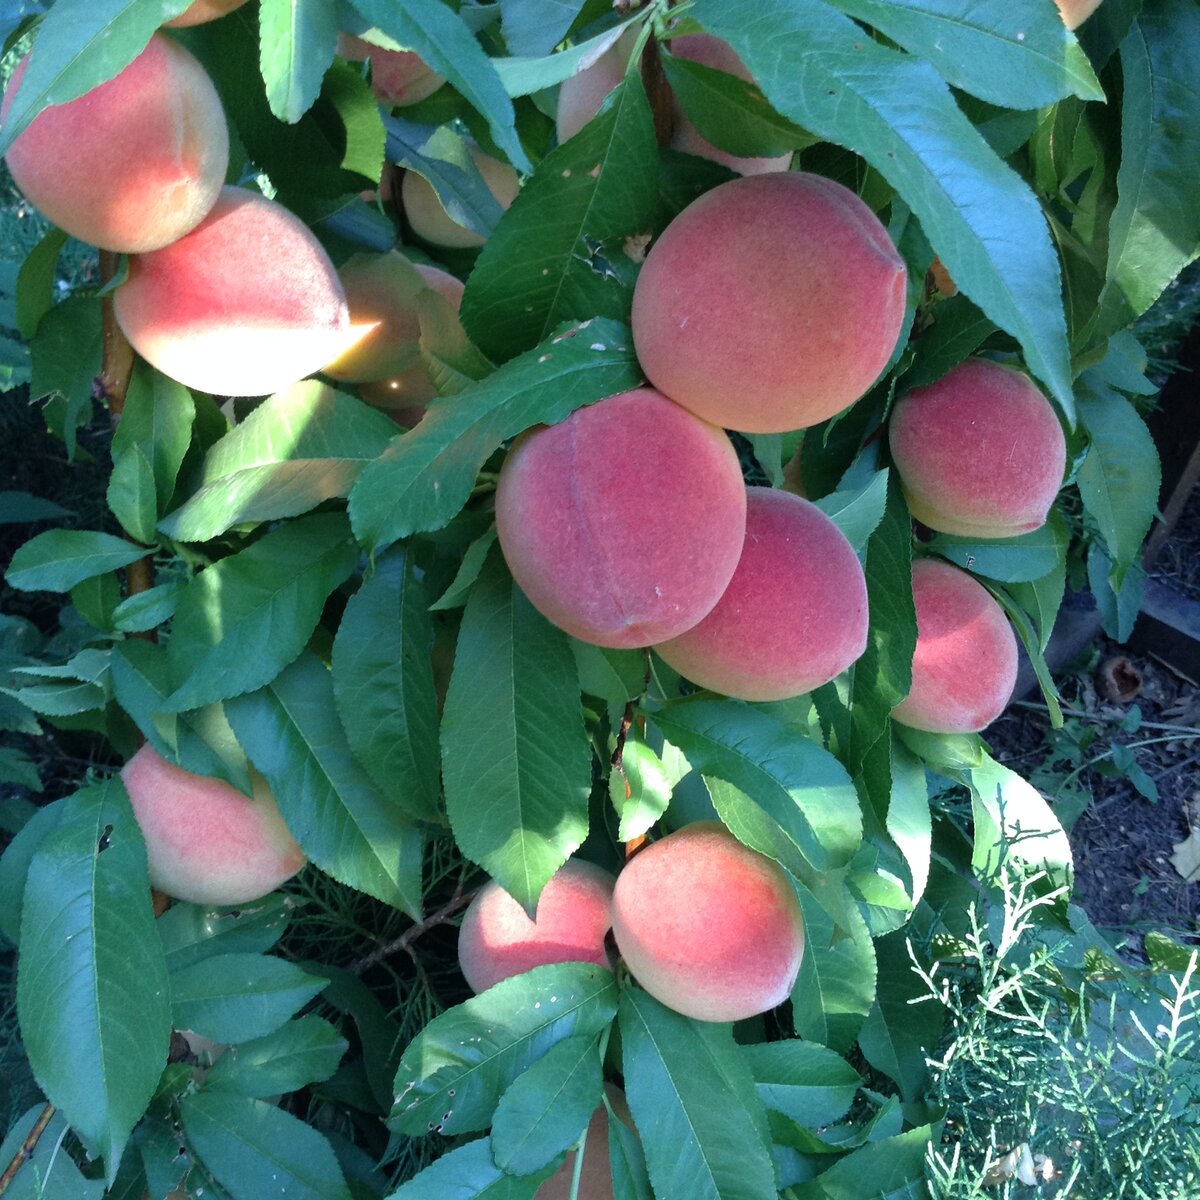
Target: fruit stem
<point>117,365</point>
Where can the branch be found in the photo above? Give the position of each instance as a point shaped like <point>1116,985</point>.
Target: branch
<point>117,366</point>
<point>28,1146</point>
<point>460,899</point>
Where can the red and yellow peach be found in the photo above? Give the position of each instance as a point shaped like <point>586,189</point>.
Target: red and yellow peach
<point>398,77</point>
<point>430,221</point>
<point>624,523</point>
<point>708,926</point>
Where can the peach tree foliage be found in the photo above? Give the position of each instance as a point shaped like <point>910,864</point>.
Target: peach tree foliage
<point>309,556</point>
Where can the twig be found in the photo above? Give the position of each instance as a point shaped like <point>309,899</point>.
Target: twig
<point>117,365</point>
<point>28,1146</point>
<point>1182,730</point>
<point>460,899</point>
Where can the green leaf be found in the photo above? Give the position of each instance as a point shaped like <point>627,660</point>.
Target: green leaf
<point>693,1099</point>
<point>438,34</point>
<point>55,561</point>
<point>66,359</point>
<point>729,112</point>
<point>426,476</point>
<point>559,252</point>
<point>544,1110</point>
<point>890,1169</point>
<point>237,996</point>
<point>795,782</point>
<point>383,685</point>
<point>455,1070</point>
<point>199,741</point>
<point>468,1173</point>
<point>17,767</point>
<point>525,76</point>
<point>92,987</point>
<point>152,438</point>
<point>1018,559</point>
<point>836,986</point>
<point>455,596</point>
<point>36,280</point>
<point>1119,608</point>
<point>1020,63</point>
<point>615,676</point>
<point>358,832</point>
<point>1041,599</point>
<point>900,1035</point>
<point>895,111</point>
<point>516,763</point>
<point>858,511</point>
<point>958,330</point>
<point>909,821</point>
<point>45,1173</point>
<point>190,932</point>
<point>1155,229</point>
<point>640,791</point>
<point>1120,477</point>
<point>242,620</point>
<point>304,1051</point>
<point>803,1080</point>
<point>534,27</point>
<point>81,44</point>
<point>258,1152</point>
<point>297,449</point>
<point>148,609</point>
<point>297,44</point>
<point>17,508</point>
<point>14,865</point>
<point>1013,821</point>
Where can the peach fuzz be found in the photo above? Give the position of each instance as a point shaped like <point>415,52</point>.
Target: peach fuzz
<point>595,1176</point>
<point>430,221</point>
<point>623,524</point>
<point>717,53</point>
<point>582,94</point>
<point>980,452</point>
<point>382,292</point>
<point>794,614</point>
<point>246,304</point>
<point>206,842</point>
<point>770,303</point>
<point>708,926</point>
<point>497,939</point>
<point>201,12</point>
<point>965,664</point>
<point>1075,12</point>
<point>398,77</point>
<point>135,163</point>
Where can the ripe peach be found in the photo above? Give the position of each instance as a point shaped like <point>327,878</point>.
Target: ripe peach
<point>1075,12</point>
<point>246,304</point>
<point>398,77</point>
<point>382,291</point>
<point>206,842</point>
<point>136,162</point>
<point>708,926</point>
<point>623,524</point>
<point>714,52</point>
<point>201,12</point>
<point>770,303</point>
<point>965,664</point>
<point>980,452</point>
<point>429,220</point>
<point>595,1177</point>
<point>794,614</point>
<point>581,95</point>
<point>497,939</point>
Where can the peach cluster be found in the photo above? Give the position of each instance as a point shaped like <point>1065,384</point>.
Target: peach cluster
<point>709,927</point>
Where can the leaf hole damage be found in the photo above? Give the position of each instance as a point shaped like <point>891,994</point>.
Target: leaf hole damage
<point>105,839</point>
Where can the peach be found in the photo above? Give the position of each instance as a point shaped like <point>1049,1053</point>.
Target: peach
<point>714,52</point>
<point>382,292</point>
<point>965,664</point>
<point>430,221</point>
<point>201,12</point>
<point>581,95</point>
<point>980,452</point>
<point>398,77</point>
<point>770,303</point>
<point>708,926</point>
<point>136,162</point>
<point>1075,12</point>
<point>595,1176</point>
<point>246,304</point>
<point>497,939</point>
<point>794,614</point>
<point>205,841</point>
<point>623,524</point>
